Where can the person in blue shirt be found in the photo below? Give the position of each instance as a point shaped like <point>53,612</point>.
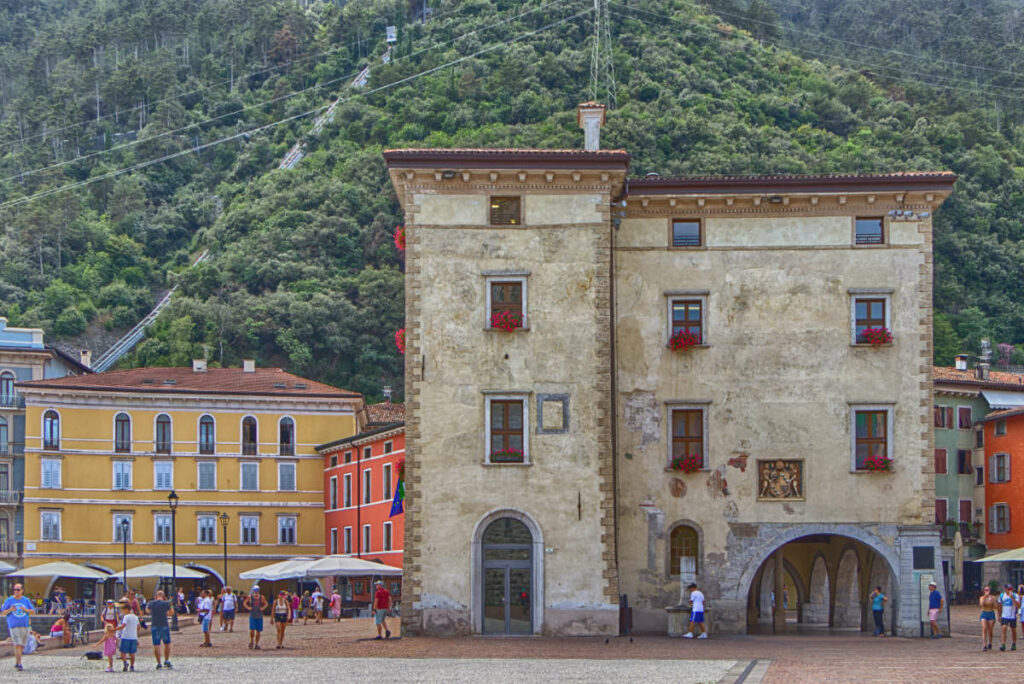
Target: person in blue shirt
<point>17,610</point>
<point>1008,617</point>
<point>878,600</point>
<point>934,608</point>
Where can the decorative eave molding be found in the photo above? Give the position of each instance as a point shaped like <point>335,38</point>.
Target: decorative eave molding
<point>814,204</point>
<point>77,398</point>
<point>357,441</point>
<point>948,391</point>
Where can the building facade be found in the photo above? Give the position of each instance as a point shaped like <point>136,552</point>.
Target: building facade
<point>576,343</point>
<point>361,475</point>
<point>237,446</point>
<point>23,356</point>
<point>1003,436</point>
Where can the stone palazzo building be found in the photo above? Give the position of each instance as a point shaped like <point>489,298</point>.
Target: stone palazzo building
<point>617,386</point>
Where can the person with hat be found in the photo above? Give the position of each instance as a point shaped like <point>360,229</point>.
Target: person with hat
<point>381,606</point>
<point>255,603</point>
<point>934,608</point>
<point>109,614</point>
<point>1008,618</point>
<point>17,610</point>
<point>696,613</point>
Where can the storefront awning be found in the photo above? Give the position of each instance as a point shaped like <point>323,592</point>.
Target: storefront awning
<point>1003,400</point>
<point>1011,555</point>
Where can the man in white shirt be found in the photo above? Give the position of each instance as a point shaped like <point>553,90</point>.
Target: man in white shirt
<point>129,628</point>
<point>317,599</point>
<point>696,612</point>
<point>205,611</point>
<point>228,602</point>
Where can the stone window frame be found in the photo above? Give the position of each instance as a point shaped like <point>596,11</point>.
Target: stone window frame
<point>124,464</point>
<point>1000,428</point>
<point>199,475</point>
<point>116,517</point>
<point>157,463</point>
<point>506,395</point>
<point>889,409</point>
<point>564,400</point>
<point>241,475</point>
<point>702,405</point>
<point>202,518</point>
<point>701,232</point>
<point>59,468</point>
<point>672,296</point>
<point>158,518</point>
<point>516,222</point>
<point>946,516</point>
<point>59,517</point>
<point>869,245</point>
<point>243,519</point>
<point>509,276</point>
<point>668,545</point>
<point>869,293</point>
<point>994,518</point>
<point>283,525</point>
<point>945,461</point>
<point>993,467</point>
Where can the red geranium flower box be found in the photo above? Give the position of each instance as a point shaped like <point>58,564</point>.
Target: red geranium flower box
<point>878,464</point>
<point>683,340</point>
<point>876,337</point>
<point>506,321</point>
<point>687,464</point>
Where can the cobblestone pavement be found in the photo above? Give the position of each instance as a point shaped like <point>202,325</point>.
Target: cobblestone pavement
<point>807,657</point>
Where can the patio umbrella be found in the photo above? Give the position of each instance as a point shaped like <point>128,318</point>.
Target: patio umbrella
<point>346,566</point>
<point>61,569</point>
<point>6,568</point>
<point>293,568</point>
<point>1011,555</point>
<point>162,569</point>
<point>956,581</point>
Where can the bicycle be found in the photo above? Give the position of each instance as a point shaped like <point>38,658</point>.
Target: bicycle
<point>79,631</point>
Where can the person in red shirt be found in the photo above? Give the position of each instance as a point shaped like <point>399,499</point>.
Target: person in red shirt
<point>381,606</point>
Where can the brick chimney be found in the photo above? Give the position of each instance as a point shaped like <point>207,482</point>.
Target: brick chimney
<point>86,358</point>
<point>248,365</point>
<point>590,116</point>
<point>961,361</point>
<point>981,371</point>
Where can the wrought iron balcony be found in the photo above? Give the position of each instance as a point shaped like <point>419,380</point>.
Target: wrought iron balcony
<point>12,400</point>
<point>11,448</point>
<point>9,549</point>
<point>8,497</point>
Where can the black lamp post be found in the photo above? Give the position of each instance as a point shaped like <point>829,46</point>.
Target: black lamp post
<point>224,523</point>
<point>124,539</point>
<point>172,501</point>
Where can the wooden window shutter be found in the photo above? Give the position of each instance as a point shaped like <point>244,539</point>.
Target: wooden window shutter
<point>937,415</point>
<point>1008,459</point>
<point>992,468</point>
<point>949,416</point>
<point>1007,512</point>
<point>992,519</point>
<point>940,461</point>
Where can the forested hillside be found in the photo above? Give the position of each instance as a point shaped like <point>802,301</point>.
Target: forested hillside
<point>134,135</point>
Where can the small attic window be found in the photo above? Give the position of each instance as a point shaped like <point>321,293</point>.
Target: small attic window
<point>301,385</point>
<point>505,211</point>
<point>280,385</point>
<point>148,381</point>
<point>170,382</point>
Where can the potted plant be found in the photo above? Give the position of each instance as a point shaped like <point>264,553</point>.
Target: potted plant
<point>400,237</point>
<point>400,340</point>
<point>687,464</point>
<point>878,464</point>
<point>876,337</point>
<point>506,321</point>
<point>683,340</point>
<point>507,455</point>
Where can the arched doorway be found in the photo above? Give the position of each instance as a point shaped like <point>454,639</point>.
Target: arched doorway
<point>507,548</point>
<point>847,608</point>
<point>819,595</point>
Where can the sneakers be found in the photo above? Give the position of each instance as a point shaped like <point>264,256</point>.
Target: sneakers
<point>18,667</point>
<point>256,647</point>
<point>377,637</point>
<point>125,668</point>
<point>703,635</point>
<point>131,669</point>
<point>1013,647</point>
<point>167,665</point>
<point>159,666</point>
<point>688,635</point>
<point>109,669</point>
<point>1002,647</point>
<point>387,634</point>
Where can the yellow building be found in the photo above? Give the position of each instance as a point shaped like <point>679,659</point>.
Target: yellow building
<point>107,449</point>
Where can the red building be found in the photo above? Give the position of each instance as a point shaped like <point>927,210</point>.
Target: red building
<point>360,477</point>
<point>1004,479</point>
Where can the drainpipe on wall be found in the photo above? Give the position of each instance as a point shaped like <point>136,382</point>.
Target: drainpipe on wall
<point>359,506</point>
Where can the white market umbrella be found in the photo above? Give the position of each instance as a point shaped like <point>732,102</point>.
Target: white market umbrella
<point>162,569</point>
<point>346,566</point>
<point>958,562</point>
<point>1012,555</point>
<point>6,568</point>
<point>293,568</point>
<point>61,569</point>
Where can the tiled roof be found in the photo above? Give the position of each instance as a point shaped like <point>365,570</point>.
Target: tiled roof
<point>262,381</point>
<point>385,412</point>
<point>996,415</point>
<point>509,157</point>
<point>511,151</point>
<point>913,180</point>
<point>996,379</point>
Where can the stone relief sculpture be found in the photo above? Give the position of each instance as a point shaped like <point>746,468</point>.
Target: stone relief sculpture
<point>781,479</point>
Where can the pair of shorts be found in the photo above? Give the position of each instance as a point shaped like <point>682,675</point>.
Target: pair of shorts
<point>280,617</point>
<point>379,615</point>
<point>1012,622</point>
<point>933,614</point>
<point>697,618</point>
<point>19,635</point>
<point>160,635</point>
<point>229,614</point>
<point>988,615</point>
<point>255,624</point>
<point>129,646</point>
<point>206,623</point>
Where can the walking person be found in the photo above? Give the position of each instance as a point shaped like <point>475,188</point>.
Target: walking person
<point>878,600</point>
<point>228,605</point>
<point>988,604</point>
<point>295,603</point>
<point>129,637</point>
<point>160,629</point>
<point>335,605</point>
<point>109,614</point>
<point>282,616</point>
<point>1008,618</point>
<point>17,609</point>
<point>306,606</point>
<point>255,603</point>
<point>696,612</point>
<point>1020,608</point>
<point>318,605</point>
<point>934,608</point>
<point>381,606</point>
<point>205,612</point>
<point>109,642</point>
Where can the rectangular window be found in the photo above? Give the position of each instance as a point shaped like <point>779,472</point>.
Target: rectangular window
<point>940,461</point>
<point>286,477</point>
<point>388,447</point>
<point>367,481</point>
<point>366,539</point>
<point>869,230</point>
<point>387,536</point>
<point>334,540</point>
<point>506,302</point>
<point>286,529</point>
<point>334,460</point>
<point>871,435</point>
<point>999,518</point>
<point>367,452</point>
<point>506,431</point>
<point>505,211</point>
<point>388,494</point>
<point>207,525</point>
<point>162,528</point>
<point>965,510</point>
<point>250,477</point>
<point>963,462</point>
<point>688,434</point>
<point>688,316</point>
<point>348,457</point>
<point>122,528</point>
<point>943,416</point>
<point>979,476</point>
<point>687,233</point>
<point>122,474</point>
<point>346,491</point>
<point>979,438</point>
<point>1000,427</point>
<point>49,525</point>
<point>163,475</point>
<point>999,468</point>
<point>332,493</point>
<point>963,416</point>
<point>250,525</point>
<point>50,473</point>
<point>347,541</point>
<point>207,476</point>
<point>868,313</point>
<point>940,510</point>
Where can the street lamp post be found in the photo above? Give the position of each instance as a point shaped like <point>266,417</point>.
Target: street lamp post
<point>172,501</point>
<point>224,523</point>
<point>124,540</point>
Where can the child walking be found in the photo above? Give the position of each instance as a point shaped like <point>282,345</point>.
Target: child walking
<point>109,645</point>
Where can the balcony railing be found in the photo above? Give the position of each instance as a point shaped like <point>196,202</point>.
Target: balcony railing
<point>9,497</point>
<point>286,449</point>
<point>969,532</point>
<point>11,448</point>
<point>13,400</point>
<point>9,549</point>
<point>249,448</point>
